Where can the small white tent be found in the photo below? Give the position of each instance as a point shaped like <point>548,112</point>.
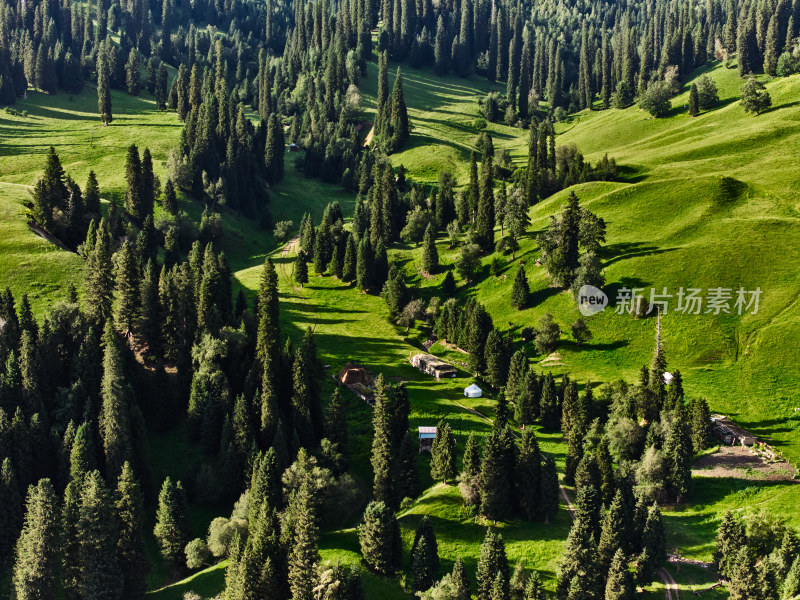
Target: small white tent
<point>473,391</point>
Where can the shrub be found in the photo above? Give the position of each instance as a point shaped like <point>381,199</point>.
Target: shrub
<point>197,554</point>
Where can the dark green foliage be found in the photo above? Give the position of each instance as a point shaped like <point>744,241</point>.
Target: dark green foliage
<point>424,556</point>
<point>529,476</point>
<point>103,89</point>
<point>755,98</point>
<point>520,292</point>
<point>304,554</point>
<point>619,585</point>
<point>495,484</point>
<point>11,516</point>
<point>654,551</point>
<point>301,268</point>
<point>172,528</point>
<point>443,454</point>
<point>97,532</point>
<point>694,101</point>
<point>430,256</point>
<point>496,358</point>
<point>550,488</point>
<point>492,562</point>
<point>131,553</point>
<point>730,537</point>
<point>36,555</point>
<point>378,536</point>
<point>579,575</point>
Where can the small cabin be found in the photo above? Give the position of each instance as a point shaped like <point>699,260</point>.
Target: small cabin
<point>729,433</point>
<point>428,363</point>
<point>426,437</point>
<point>473,391</point>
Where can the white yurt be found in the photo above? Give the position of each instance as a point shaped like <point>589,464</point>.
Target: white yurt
<point>473,391</point>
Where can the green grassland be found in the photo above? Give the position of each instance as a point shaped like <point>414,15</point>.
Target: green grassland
<point>706,201</point>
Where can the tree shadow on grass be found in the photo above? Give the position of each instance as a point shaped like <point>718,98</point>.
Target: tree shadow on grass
<point>624,250</point>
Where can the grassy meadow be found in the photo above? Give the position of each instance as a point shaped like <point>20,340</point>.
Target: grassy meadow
<point>703,202</point>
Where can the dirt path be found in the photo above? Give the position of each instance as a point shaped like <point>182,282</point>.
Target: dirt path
<point>670,584</point>
<point>288,275</point>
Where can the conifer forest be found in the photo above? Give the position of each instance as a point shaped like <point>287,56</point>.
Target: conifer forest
<point>386,299</point>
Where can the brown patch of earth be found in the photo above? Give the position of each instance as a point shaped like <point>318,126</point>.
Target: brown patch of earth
<point>742,463</point>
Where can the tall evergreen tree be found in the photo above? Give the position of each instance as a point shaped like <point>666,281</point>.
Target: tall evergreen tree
<point>117,396</point>
<point>100,575</point>
<point>520,292</point>
<point>443,454</point>
<point>131,553</point>
<point>304,554</point>
<point>492,562</point>
<point>430,255</point>
<point>172,528</point>
<point>103,87</point>
<point>378,537</point>
<point>36,557</point>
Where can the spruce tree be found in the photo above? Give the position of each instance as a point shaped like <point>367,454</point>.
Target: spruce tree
<point>494,484</point>
<point>424,556</point>
<point>791,585</point>
<point>550,488</point>
<point>349,264</point>
<point>172,528</point>
<point>730,537</point>
<point>496,359</point>
<point>492,562</point>
<point>382,456</point>
<point>694,102</point>
<point>472,458</point>
<point>91,195</point>
<point>11,515</point>
<point>117,396</point>
<point>132,73</point>
<point>654,551</point>
<point>304,555</point>
<point>127,288</point>
<point>365,266</point>
<point>619,585</point>
<point>484,220</point>
<point>378,536</point>
<point>520,292</point>
<point>460,581</point>
<point>301,268</point>
<point>103,89</point>
<point>430,255</point>
<point>131,553</point>
<point>36,556</point>
<point>443,454</point>
<point>97,532</point>
<point>529,476</point>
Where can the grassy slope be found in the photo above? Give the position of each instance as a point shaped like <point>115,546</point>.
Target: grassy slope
<point>647,218</point>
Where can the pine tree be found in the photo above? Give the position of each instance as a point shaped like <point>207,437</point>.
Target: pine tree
<point>172,529</point>
<point>127,288</point>
<point>424,556</point>
<point>550,487</point>
<point>430,255</point>
<point>619,585</point>
<point>771,47</point>
<point>365,266</point>
<point>97,532</point>
<point>103,88</point>
<point>349,264</point>
<point>304,555</point>
<point>520,292</point>
<point>398,128</point>
<point>654,551</point>
<point>82,454</point>
<point>744,583</point>
<point>382,457</point>
<point>301,268</point>
<point>791,585</point>
<point>496,359</point>
<point>377,537</point>
<point>443,454</point>
<point>615,535</point>
<point>694,102</point>
<point>484,220</point>
<point>132,74</point>
<point>11,515</point>
<point>494,482</point>
<point>91,195</point>
<point>472,458</point>
<point>131,553</point>
<point>529,475</point>
<point>98,276</point>
<point>460,581</point>
<point>117,396</point>
<point>134,201</point>
<point>492,562</point>
<point>36,556</point>
<point>730,537</point>
<point>678,454</point>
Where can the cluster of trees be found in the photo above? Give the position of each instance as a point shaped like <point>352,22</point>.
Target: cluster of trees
<point>561,244</point>
<point>600,53</point>
<point>59,206</point>
<point>760,556</point>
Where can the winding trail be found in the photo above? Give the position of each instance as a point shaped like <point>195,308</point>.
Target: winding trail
<point>670,584</point>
